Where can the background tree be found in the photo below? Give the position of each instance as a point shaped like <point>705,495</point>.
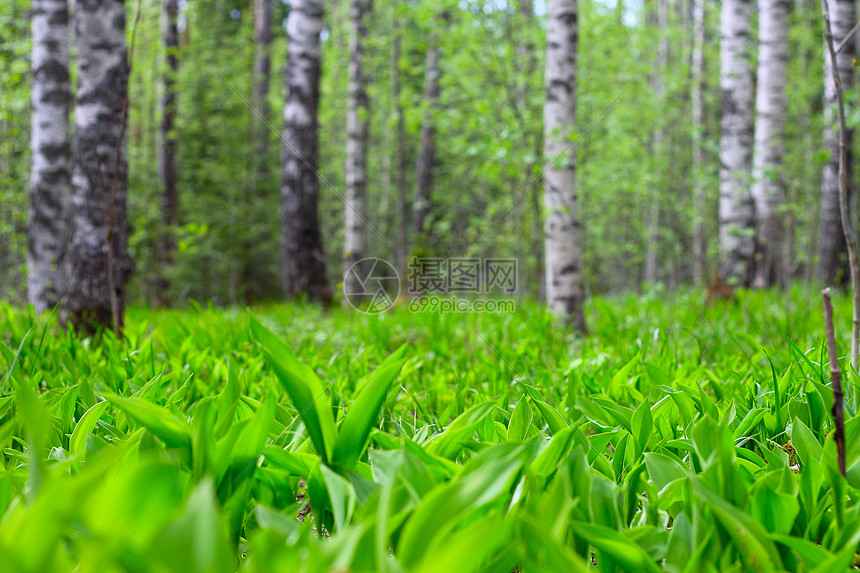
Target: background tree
<point>767,187</point>
<point>355,171</point>
<point>50,175</point>
<point>697,69</point>
<point>97,247</point>
<point>564,285</point>
<point>425,166</point>
<point>659,18</point>
<point>832,257</point>
<point>169,203</point>
<point>737,238</point>
<point>303,266</point>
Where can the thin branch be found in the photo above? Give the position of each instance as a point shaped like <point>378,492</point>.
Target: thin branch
<point>838,411</point>
<point>847,37</point>
<point>847,229</point>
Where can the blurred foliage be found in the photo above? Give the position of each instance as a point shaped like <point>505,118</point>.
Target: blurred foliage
<point>489,140</point>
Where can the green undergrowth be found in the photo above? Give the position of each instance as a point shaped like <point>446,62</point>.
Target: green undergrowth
<point>675,437</point>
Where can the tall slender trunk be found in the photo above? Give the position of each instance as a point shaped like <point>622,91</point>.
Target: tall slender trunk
<point>50,174</point>
<point>400,151</point>
<point>100,173</point>
<point>564,281</point>
<point>698,109</point>
<point>262,73</point>
<point>767,188</point>
<point>832,256</point>
<point>427,150</point>
<point>737,221</point>
<point>167,154</point>
<point>254,198</point>
<point>303,265</point>
<point>660,19</point>
<point>355,232</point>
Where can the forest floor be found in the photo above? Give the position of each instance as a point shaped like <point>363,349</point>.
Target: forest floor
<point>673,436</point>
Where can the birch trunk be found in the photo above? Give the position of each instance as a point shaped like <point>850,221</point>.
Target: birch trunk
<point>427,149</point>
<point>652,223</point>
<point>564,285</point>
<point>832,256</point>
<point>303,266</point>
<point>767,186</point>
<point>167,154</point>
<point>737,234</point>
<point>50,175</point>
<point>100,173</point>
<point>698,111</point>
<point>355,233</point>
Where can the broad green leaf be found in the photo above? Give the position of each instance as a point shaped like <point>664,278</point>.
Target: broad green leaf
<point>78,441</point>
<point>174,432</point>
<point>521,419</point>
<point>354,431</point>
<point>304,387</point>
<point>663,469</point>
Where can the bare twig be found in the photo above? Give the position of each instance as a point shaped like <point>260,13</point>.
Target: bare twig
<point>836,376</point>
<point>109,210</point>
<point>847,229</point>
<point>848,37</point>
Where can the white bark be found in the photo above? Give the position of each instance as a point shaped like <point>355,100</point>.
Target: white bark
<point>698,112</point>
<point>564,284</point>
<point>832,259</point>
<point>99,175</point>
<point>355,233</point>
<point>50,175</point>
<point>767,186</point>
<point>737,239</point>
<point>303,269</point>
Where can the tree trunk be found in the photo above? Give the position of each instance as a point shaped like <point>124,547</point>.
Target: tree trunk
<point>737,231</point>
<point>355,232</point>
<point>832,256</point>
<point>50,175</point>
<point>564,282</point>
<point>698,109</point>
<point>99,178</point>
<point>400,159</point>
<point>262,72</point>
<point>427,150</point>
<point>303,266</point>
<point>167,155</point>
<point>767,188</point>
<point>660,20</point>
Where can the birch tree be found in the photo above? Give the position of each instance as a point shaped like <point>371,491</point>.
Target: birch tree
<point>697,71</point>
<point>50,173</point>
<point>565,291</point>
<point>767,187</point>
<point>167,152</point>
<point>303,266</point>
<point>832,258</point>
<point>99,176</point>
<point>355,235</point>
<point>737,234</point>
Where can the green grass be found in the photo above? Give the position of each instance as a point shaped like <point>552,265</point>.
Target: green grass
<point>674,438</point>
